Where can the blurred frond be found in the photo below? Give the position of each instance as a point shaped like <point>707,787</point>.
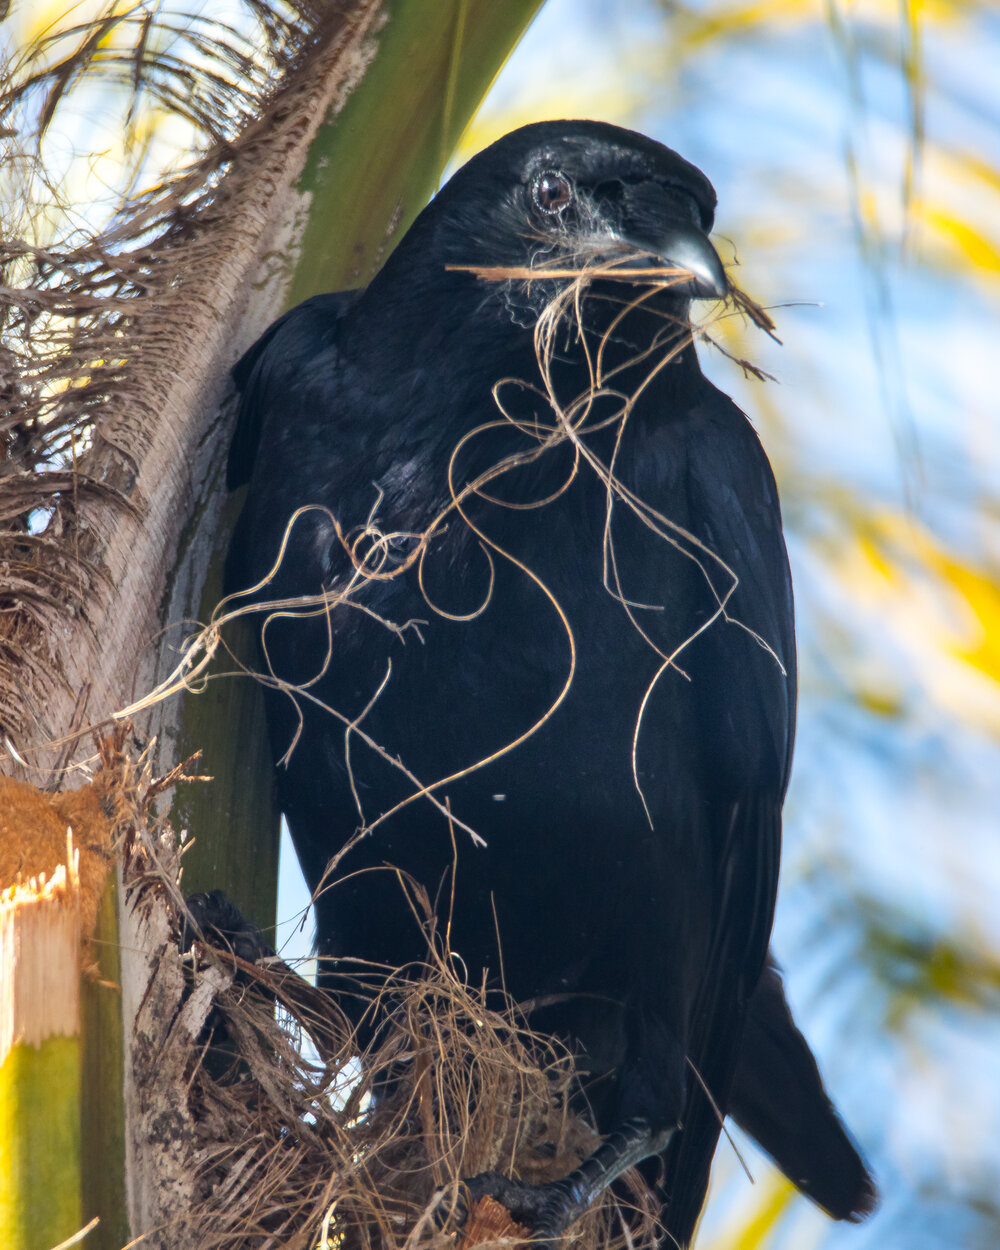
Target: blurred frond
<point>69,289</point>
<point>941,610</point>
<point>917,968</point>
<point>760,1221</point>
<point>209,71</point>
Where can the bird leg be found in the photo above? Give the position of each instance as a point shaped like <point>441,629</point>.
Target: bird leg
<point>548,1210</point>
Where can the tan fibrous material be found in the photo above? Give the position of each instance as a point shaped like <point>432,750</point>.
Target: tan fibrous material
<point>40,956</point>
<point>489,1222</point>
<point>33,827</point>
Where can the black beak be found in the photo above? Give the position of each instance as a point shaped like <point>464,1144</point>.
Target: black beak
<point>682,246</point>
<point>685,247</point>
<point>657,223</point>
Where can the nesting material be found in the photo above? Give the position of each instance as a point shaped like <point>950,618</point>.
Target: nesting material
<point>296,1153</point>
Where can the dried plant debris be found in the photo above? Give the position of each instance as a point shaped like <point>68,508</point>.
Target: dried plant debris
<point>294,1148</point>
<point>69,294</point>
<point>94,318</point>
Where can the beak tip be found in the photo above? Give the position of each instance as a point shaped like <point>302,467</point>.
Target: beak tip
<point>692,251</point>
<point>699,288</point>
<point>708,275</point>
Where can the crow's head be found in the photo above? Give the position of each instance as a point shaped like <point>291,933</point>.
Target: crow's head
<point>569,193</point>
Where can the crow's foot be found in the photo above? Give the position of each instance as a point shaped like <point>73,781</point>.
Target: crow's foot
<point>547,1211</point>
<point>544,1211</point>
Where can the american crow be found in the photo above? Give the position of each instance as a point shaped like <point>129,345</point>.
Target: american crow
<point>554,551</point>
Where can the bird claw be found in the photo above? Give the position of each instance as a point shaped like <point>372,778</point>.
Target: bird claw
<point>542,1210</point>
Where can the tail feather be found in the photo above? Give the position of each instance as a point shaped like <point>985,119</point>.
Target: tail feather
<point>778,1098</point>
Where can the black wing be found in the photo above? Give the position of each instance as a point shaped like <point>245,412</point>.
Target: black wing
<point>734,501</point>
<point>272,364</point>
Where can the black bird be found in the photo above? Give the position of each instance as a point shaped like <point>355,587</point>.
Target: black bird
<point>575,578</point>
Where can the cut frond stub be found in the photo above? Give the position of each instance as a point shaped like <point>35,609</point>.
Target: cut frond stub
<point>39,1058</point>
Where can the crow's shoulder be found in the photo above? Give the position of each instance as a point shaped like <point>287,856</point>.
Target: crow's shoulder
<point>273,365</point>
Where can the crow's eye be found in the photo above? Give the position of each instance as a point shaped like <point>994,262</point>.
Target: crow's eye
<point>552,191</point>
